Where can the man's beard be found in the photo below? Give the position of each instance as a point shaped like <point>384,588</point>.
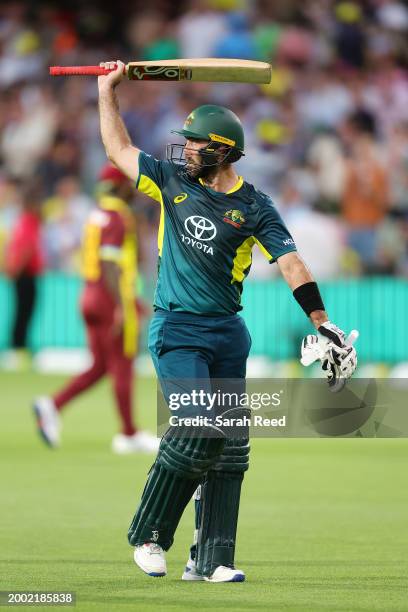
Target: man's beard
<point>200,171</point>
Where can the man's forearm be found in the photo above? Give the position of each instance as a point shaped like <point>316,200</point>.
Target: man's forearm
<point>305,290</point>
<point>114,134</point>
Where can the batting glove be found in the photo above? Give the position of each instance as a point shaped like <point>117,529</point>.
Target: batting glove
<point>336,353</point>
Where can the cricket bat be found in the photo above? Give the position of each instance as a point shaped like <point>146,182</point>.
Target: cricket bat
<point>203,69</point>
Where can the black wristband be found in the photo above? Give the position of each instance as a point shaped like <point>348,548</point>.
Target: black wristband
<point>308,297</point>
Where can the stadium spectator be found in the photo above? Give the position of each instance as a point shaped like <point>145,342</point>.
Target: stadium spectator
<point>365,197</point>
<point>24,263</point>
<point>65,213</point>
<point>330,60</point>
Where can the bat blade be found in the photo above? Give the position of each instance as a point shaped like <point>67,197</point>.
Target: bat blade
<point>204,69</point>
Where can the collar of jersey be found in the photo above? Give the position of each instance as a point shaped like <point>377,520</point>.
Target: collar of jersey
<point>235,188</point>
<point>112,203</point>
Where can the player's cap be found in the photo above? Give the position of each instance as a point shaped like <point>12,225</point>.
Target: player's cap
<point>109,173</point>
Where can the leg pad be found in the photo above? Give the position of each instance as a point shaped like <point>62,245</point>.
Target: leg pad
<point>219,517</point>
<point>178,470</point>
<point>189,457</point>
<point>163,502</point>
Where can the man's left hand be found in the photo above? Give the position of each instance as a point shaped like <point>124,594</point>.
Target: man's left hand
<point>336,353</point>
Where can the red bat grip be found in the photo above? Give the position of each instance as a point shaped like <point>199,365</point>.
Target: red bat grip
<point>75,70</point>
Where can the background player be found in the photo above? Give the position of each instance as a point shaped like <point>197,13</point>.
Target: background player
<point>24,264</point>
<point>210,220</point>
<point>109,310</point>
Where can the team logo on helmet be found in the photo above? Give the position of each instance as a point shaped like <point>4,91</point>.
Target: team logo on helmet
<point>189,120</point>
<point>234,217</point>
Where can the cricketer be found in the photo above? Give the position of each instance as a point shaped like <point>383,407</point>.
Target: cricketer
<point>210,220</point>
<point>108,308</point>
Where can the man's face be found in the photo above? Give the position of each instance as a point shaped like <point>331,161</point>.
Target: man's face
<point>193,158</point>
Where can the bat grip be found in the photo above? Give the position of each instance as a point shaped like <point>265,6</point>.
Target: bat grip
<point>81,70</point>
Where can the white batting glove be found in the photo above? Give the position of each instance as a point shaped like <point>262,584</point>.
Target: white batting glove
<point>335,352</point>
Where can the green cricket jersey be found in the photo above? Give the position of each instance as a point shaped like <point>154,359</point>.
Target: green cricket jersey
<point>205,238</point>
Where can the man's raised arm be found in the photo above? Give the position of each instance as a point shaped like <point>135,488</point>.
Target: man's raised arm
<point>115,137</point>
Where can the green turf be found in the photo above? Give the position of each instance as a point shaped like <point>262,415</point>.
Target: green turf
<point>323,523</point>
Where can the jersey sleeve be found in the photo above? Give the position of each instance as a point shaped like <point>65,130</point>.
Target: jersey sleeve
<point>271,234</point>
<point>152,175</point>
<point>112,238</point>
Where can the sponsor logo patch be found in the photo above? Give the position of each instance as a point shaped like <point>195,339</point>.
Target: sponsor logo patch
<point>196,244</point>
<point>157,73</point>
<point>200,228</point>
<point>180,198</point>
<point>223,139</point>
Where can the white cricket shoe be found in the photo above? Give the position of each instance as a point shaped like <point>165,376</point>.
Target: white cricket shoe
<point>190,573</point>
<point>226,574</point>
<point>140,442</point>
<point>48,420</point>
<point>151,559</point>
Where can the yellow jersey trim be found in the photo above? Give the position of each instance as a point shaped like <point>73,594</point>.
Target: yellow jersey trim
<point>151,189</point>
<point>235,188</point>
<point>242,260</point>
<point>237,185</point>
<point>263,250</point>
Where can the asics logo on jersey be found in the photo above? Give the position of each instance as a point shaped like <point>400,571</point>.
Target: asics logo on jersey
<point>200,228</point>
<point>180,198</point>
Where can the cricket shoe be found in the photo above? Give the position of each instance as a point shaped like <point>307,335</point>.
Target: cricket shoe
<point>226,574</point>
<point>150,558</point>
<point>190,573</point>
<point>48,421</point>
<point>140,442</point>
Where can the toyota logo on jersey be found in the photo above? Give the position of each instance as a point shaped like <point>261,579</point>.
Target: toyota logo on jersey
<point>200,228</point>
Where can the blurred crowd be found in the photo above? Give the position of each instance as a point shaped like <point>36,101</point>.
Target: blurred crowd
<point>327,139</point>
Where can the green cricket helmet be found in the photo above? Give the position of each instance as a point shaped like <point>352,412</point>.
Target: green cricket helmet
<point>220,127</point>
<point>215,123</point>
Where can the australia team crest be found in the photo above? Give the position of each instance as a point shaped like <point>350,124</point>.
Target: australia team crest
<point>234,217</point>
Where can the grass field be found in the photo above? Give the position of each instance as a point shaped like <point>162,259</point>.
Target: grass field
<point>323,524</point>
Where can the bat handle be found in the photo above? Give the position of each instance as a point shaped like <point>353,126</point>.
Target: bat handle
<point>81,70</point>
